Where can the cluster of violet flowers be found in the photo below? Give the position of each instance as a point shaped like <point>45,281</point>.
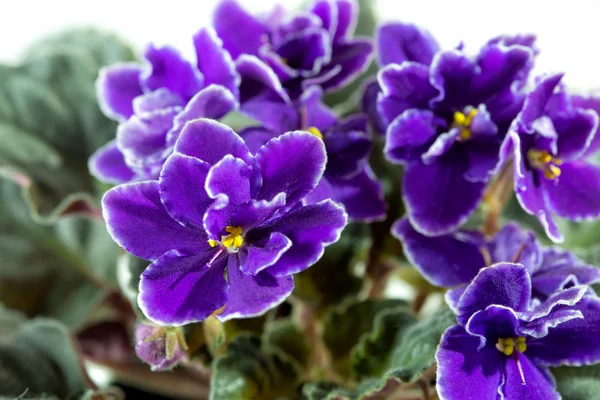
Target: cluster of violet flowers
<point>227,218</point>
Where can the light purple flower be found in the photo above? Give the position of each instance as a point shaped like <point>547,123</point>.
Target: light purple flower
<point>154,100</point>
<point>347,179</point>
<point>548,143</point>
<point>446,114</point>
<point>455,259</point>
<point>161,347</point>
<point>222,227</point>
<point>503,343</point>
<point>308,48</point>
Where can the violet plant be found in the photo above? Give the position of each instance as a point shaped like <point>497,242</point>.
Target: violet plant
<point>315,207</point>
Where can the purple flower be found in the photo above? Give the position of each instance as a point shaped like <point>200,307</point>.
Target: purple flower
<point>549,142</point>
<point>504,343</point>
<point>445,121</point>
<point>161,347</point>
<point>314,47</point>
<point>223,227</point>
<point>454,260</point>
<point>347,179</point>
<point>153,102</point>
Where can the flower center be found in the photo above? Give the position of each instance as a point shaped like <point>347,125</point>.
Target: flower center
<point>507,345</point>
<point>545,162</point>
<point>315,131</point>
<point>233,241</point>
<point>463,122</point>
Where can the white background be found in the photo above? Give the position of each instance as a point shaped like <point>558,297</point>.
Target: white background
<point>568,30</point>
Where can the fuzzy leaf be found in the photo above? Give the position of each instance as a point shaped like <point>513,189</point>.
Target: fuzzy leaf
<point>578,383</point>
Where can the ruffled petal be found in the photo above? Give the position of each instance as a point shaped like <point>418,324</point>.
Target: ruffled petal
<point>158,99</point>
<point>255,257</point>
<point>178,290</point>
<point>214,62</point>
<point>493,322</point>
<point>561,269</point>
<point>437,197</point>
<point>409,134</point>
<point>556,301</point>
<point>292,163</point>
<point>448,260</point>
<point>138,221</point>
<point>451,74</point>
<point>116,87</point>
<point>516,245</point>
<point>347,150</point>
<point>251,296</point>
<point>170,70</point>
<point>230,177</point>
<point>256,137</point>
<point>317,114</point>
<point>347,18</point>
<point>537,101</point>
<point>463,372</point>
<point>503,284</point>
<point>399,42</point>
<point>576,193</point>
<point>526,381</point>
<point>576,132</point>
<point>240,32</point>
<point>310,228</point>
<point>591,102</point>
<point>181,184</point>
<point>361,195</point>
<point>108,165</point>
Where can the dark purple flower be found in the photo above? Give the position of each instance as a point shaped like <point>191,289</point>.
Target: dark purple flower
<point>154,100</point>
<point>348,179</point>
<point>314,47</point>
<point>454,260</point>
<point>548,143</point>
<point>223,227</point>
<point>161,347</point>
<point>446,114</point>
<point>504,343</point>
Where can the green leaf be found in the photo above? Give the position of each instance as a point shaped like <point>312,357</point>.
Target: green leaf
<point>578,383</point>
<point>38,357</point>
<point>343,328</point>
<point>64,270</point>
<point>250,371</point>
<point>283,335</point>
<point>333,278</point>
<point>50,122</point>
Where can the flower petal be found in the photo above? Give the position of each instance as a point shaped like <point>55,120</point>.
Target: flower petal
<point>138,221</point>
<point>181,183</point>
<point>451,74</point>
<point>370,91</point>
<point>516,245</point>
<point>158,99</point>
<point>591,102</point>
<point>347,18</point>
<point>214,62</point>
<point>537,101</point>
<point>255,257</point>
<point>347,150</point>
<point>572,343</point>
<point>170,70</point>
<point>292,163</point>
<point>576,131</point>
<point>525,381</point>
<point>241,32</point>
<point>448,260</point>
<point>251,296</point>
<point>310,228</point>
<point>556,301</point>
<point>408,136</point>
<point>576,193</point>
<point>493,322</point>
<point>398,42</point>
<point>503,284</point>
<point>108,165</point>
<point>463,372</point>
<point>230,177</point>
<point>361,195</point>
<point>442,145</point>
<point>256,137</point>
<point>561,269</point>
<point>210,141</point>
<point>437,197</point>
<point>178,290</point>
<point>116,87</point>
<point>317,114</point>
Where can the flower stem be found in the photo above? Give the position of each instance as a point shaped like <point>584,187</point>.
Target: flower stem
<point>497,196</point>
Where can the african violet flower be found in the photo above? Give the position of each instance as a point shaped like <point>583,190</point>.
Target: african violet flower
<point>548,143</point>
<point>445,123</point>
<point>347,179</point>
<point>304,49</point>
<point>161,347</point>
<point>154,100</point>
<point>455,259</point>
<point>503,345</point>
<point>222,227</point>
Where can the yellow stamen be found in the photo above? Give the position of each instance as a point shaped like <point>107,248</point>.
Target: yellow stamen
<point>544,162</point>
<point>315,131</point>
<point>507,345</point>
<point>463,122</point>
<point>234,239</point>
<point>213,243</point>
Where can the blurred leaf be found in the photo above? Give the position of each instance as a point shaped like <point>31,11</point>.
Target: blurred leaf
<point>343,328</point>
<point>38,357</point>
<point>62,271</point>
<point>111,393</point>
<point>283,335</point>
<point>50,122</point>
<point>250,371</point>
<point>333,278</point>
<point>578,383</point>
